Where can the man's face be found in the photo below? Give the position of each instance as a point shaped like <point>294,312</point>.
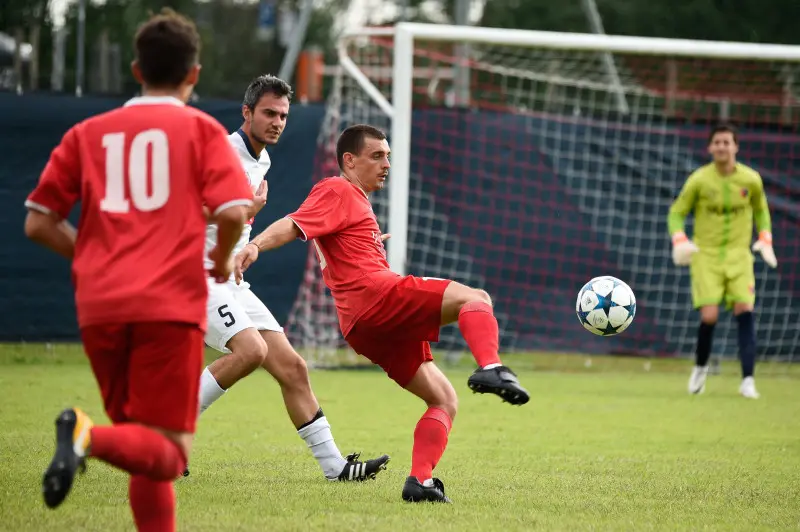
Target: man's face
<point>371,165</point>
<point>268,118</point>
<point>723,147</point>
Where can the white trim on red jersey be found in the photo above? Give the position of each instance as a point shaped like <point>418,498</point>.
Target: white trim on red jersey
<point>37,207</point>
<point>154,100</point>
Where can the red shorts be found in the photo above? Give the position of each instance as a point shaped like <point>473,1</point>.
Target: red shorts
<point>394,334</point>
<point>148,372</point>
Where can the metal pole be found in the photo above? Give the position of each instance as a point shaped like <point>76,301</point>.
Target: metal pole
<point>57,75</point>
<point>461,81</point>
<point>79,69</point>
<point>290,58</point>
<point>596,23</point>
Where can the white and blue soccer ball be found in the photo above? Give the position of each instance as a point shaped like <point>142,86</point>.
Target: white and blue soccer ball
<point>606,306</point>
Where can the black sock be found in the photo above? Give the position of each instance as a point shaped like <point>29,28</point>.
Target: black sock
<point>747,343</point>
<point>704,336</point>
<point>318,415</point>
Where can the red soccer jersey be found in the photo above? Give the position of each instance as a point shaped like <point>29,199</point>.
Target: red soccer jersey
<point>142,173</point>
<point>338,217</point>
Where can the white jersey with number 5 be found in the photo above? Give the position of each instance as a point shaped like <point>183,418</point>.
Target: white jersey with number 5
<point>256,167</point>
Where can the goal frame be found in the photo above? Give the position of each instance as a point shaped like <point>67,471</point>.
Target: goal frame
<point>399,110</point>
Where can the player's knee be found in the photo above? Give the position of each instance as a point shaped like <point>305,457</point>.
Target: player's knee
<point>475,295</point>
<point>253,355</point>
<point>450,406</point>
<point>709,315</point>
<point>482,296</point>
<point>447,400</point>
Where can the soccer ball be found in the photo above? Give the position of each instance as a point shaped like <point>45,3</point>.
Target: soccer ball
<point>605,306</point>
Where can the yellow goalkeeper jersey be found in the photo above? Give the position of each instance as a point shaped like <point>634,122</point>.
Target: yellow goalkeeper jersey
<point>723,207</point>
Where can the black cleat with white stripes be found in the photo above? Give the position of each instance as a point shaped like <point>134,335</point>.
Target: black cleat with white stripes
<point>357,471</point>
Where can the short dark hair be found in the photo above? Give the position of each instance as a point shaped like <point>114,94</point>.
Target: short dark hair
<point>352,140</point>
<point>167,47</point>
<point>266,84</point>
<point>724,127</point>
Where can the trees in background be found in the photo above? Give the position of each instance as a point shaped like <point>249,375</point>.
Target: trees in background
<point>234,50</point>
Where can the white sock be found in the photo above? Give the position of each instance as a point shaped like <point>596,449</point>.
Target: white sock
<point>490,366</point>
<point>209,390</point>
<point>319,439</point>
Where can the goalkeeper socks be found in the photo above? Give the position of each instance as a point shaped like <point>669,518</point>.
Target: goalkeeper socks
<point>430,439</point>
<point>319,438</point>
<point>138,450</point>
<point>152,504</point>
<point>705,335</point>
<point>479,328</point>
<point>747,343</point>
<point>210,390</point>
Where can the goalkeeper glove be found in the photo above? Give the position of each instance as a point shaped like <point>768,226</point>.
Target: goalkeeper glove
<point>764,246</point>
<point>682,249</point>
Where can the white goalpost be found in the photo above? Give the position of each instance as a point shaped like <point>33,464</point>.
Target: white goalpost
<point>556,168</point>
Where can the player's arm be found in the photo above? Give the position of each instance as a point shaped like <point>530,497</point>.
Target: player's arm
<point>682,247</point>
<point>50,231</point>
<point>322,213</point>
<point>758,201</point>
<point>53,198</point>
<point>279,233</point>
<point>276,235</point>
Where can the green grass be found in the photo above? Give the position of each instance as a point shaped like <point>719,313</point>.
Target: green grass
<point>611,447</point>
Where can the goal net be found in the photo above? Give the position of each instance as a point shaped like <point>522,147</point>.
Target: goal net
<point>540,163</point>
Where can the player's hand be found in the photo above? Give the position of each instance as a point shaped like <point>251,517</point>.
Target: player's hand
<point>385,237</point>
<point>247,256</point>
<point>764,246</point>
<point>223,266</point>
<point>260,197</point>
<point>682,249</point>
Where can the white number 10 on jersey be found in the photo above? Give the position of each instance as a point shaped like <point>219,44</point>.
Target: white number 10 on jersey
<point>141,176</point>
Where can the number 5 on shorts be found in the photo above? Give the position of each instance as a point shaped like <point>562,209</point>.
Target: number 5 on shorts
<point>226,315</point>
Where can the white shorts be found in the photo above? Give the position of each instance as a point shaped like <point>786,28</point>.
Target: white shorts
<point>233,308</point>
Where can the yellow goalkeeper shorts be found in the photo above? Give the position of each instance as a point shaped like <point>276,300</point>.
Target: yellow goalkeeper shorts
<point>717,279</point>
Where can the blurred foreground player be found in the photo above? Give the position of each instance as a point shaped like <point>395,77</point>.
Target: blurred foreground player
<point>725,196</point>
<point>142,174</point>
<point>387,318</point>
<point>242,327</point>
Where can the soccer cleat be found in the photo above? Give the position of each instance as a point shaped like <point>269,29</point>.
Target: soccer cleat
<point>357,471</point>
<point>73,437</point>
<point>697,382</point>
<point>186,472</point>
<point>501,381</point>
<point>432,490</point>
<point>748,388</point>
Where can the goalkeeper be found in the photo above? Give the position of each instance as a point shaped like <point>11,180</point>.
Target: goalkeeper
<point>725,197</point>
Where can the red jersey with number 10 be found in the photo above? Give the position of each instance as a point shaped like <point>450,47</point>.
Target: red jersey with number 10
<point>142,174</point>
<point>337,216</point>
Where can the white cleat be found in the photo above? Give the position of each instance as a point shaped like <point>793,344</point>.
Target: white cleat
<point>748,388</point>
<point>697,382</point>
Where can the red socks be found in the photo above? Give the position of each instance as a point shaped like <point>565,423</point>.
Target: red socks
<point>138,450</point>
<point>153,504</point>
<point>479,328</point>
<point>430,439</point>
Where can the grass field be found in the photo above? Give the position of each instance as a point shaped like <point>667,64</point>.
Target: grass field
<point>611,447</point>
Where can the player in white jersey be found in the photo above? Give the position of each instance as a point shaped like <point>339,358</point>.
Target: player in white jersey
<point>243,328</point>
